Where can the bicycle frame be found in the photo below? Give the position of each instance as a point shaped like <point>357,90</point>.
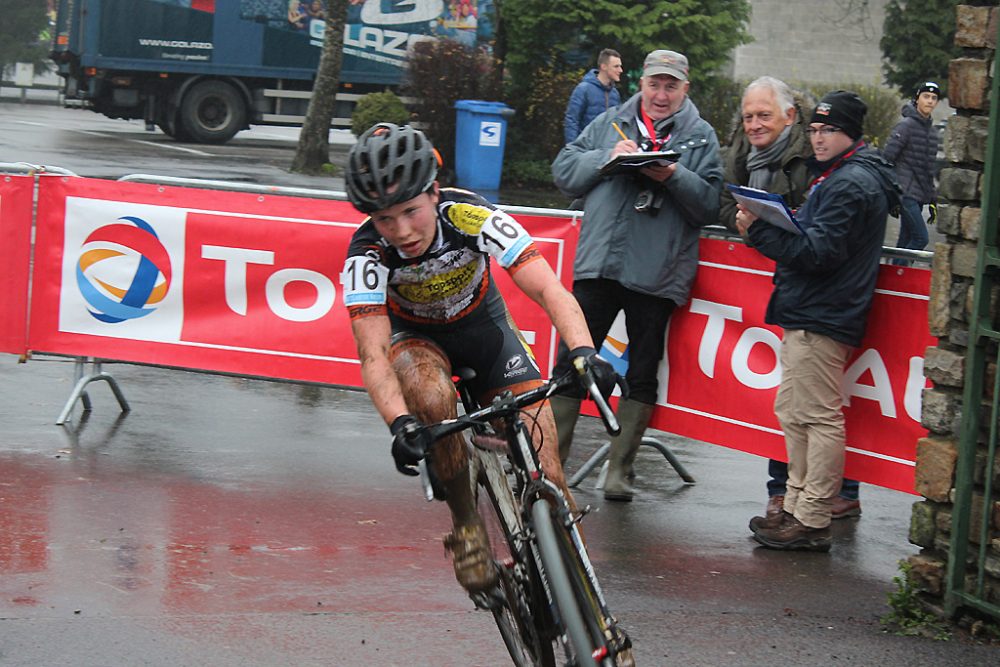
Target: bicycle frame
<point>532,488</point>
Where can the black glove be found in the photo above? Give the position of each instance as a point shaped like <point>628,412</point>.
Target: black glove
<point>604,373</point>
<point>410,443</point>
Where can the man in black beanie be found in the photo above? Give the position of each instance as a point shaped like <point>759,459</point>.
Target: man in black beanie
<point>823,286</point>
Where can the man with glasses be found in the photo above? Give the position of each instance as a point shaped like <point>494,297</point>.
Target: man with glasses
<point>823,287</point>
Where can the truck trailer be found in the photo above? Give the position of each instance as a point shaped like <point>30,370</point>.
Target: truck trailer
<point>202,70</point>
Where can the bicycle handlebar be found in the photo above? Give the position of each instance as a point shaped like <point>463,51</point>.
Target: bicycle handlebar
<point>603,409</point>
<point>507,404</point>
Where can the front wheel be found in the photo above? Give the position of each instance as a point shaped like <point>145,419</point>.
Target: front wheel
<point>573,595</point>
<point>516,605</point>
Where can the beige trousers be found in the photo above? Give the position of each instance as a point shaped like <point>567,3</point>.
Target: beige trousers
<point>809,407</point>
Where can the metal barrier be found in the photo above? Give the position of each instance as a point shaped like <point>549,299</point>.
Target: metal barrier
<point>29,169</point>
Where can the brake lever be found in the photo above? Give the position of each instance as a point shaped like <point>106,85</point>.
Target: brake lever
<point>425,480</point>
<point>607,415</point>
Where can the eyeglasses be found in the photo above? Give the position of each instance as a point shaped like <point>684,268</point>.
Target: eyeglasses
<point>822,131</point>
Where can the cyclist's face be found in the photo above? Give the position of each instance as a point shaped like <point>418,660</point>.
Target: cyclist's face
<point>410,226</point>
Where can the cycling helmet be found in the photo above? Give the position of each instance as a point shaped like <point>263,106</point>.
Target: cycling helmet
<point>389,164</point>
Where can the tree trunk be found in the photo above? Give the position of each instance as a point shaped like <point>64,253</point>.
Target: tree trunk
<point>314,140</point>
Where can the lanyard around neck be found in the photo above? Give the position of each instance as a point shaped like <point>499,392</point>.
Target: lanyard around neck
<point>648,131</point>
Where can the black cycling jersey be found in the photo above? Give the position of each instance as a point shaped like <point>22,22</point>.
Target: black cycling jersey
<point>448,294</point>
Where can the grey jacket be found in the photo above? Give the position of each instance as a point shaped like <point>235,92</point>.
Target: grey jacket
<point>651,254</point>
<point>913,147</point>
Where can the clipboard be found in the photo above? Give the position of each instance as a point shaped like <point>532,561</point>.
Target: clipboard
<point>766,206</point>
<point>626,161</point>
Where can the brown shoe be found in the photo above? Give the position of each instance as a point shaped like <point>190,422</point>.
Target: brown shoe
<point>843,508</point>
<point>775,505</point>
<point>794,536</point>
<point>770,521</point>
<point>472,558</point>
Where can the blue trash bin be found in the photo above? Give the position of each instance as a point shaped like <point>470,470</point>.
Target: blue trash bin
<point>480,133</point>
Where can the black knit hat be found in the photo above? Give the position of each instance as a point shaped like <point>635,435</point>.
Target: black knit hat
<point>843,109</point>
<point>928,87</point>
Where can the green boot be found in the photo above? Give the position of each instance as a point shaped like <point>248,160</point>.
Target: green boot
<point>633,417</point>
<point>566,411</point>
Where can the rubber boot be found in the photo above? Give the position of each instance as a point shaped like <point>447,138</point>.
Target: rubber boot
<point>633,417</point>
<point>566,411</point>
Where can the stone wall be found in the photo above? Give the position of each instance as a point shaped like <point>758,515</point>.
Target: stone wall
<point>954,269</point>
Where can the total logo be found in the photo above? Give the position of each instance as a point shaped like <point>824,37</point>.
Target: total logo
<point>123,271</point>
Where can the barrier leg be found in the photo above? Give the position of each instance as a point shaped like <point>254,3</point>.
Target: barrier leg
<point>671,458</point>
<point>84,378</point>
<point>597,458</point>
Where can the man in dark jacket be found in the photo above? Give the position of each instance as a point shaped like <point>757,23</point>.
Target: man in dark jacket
<point>823,287</point>
<point>913,147</point>
<point>770,151</point>
<point>594,95</point>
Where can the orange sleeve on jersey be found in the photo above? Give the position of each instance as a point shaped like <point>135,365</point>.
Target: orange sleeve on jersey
<point>528,255</point>
<point>367,310</point>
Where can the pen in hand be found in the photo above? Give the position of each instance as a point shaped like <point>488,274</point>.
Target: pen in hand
<point>619,131</point>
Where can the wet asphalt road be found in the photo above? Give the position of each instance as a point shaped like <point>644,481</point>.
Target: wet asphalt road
<point>227,521</point>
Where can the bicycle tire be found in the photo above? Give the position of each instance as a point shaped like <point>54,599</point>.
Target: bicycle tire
<point>577,622</point>
<point>515,605</point>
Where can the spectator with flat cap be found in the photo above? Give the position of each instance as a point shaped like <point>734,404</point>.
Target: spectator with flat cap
<point>638,247</point>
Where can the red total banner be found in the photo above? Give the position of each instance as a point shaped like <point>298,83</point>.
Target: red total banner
<point>15,258</point>
<point>721,371</point>
<point>249,284</point>
<point>220,281</point>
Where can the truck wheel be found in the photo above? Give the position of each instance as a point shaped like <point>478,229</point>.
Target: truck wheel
<point>173,129</point>
<point>212,112</point>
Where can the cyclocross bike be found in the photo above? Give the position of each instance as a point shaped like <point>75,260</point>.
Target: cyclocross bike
<point>547,603</point>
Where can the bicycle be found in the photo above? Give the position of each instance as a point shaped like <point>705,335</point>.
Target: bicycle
<point>547,600</point>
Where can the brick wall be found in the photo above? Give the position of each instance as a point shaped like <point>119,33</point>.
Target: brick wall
<point>954,270</point>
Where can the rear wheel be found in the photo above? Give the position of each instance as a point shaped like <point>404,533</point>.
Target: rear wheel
<point>516,605</point>
<point>212,112</point>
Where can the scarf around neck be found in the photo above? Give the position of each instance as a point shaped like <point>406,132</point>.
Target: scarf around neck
<point>759,161</point>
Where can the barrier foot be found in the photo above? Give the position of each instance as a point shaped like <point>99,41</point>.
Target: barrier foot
<point>599,456</point>
<point>84,378</point>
